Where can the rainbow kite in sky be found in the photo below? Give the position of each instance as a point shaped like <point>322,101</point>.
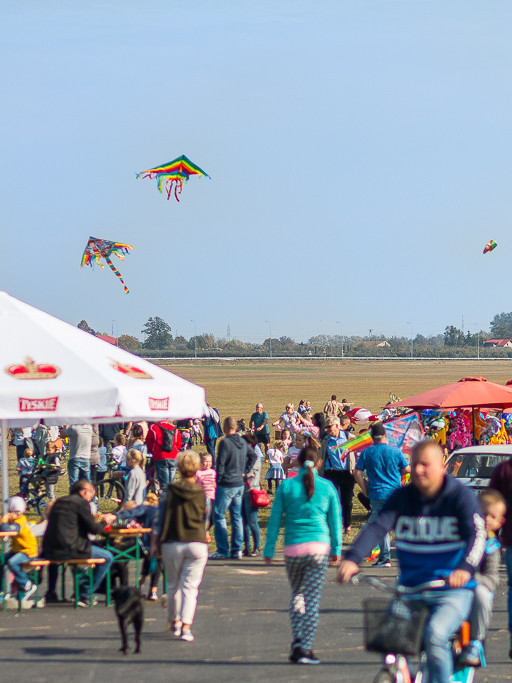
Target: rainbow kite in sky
<point>173,174</point>
<point>96,249</point>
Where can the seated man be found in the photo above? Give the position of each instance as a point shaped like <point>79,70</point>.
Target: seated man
<point>438,533</point>
<point>66,537</point>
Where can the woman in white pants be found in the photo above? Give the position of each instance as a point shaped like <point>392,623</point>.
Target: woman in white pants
<point>182,539</point>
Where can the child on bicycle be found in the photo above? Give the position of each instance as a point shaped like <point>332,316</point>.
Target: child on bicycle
<point>119,451</point>
<point>51,469</point>
<point>493,508</point>
<point>25,467</point>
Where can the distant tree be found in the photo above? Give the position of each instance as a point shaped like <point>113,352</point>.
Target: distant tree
<point>126,341</point>
<point>453,336</point>
<point>501,326</point>
<point>82,325</point>
<point>180,343</point>
<point>158,334</point>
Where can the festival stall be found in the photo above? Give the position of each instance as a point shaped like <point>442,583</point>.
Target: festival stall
<point>472,410</point>
<point>55,372</point>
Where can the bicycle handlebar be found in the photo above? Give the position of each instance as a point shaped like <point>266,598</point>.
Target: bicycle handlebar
<point>399,589</point>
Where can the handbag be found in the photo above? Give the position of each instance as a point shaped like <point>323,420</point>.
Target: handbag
<point>259,498</point>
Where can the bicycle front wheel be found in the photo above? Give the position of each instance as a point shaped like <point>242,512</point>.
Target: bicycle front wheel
<point>110,495</point>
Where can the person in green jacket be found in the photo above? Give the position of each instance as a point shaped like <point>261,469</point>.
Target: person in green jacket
<point>309,509</point>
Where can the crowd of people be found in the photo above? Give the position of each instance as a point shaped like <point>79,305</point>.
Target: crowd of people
<point>440,528</point>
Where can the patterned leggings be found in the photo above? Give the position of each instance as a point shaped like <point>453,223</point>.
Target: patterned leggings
<point>306,574</point>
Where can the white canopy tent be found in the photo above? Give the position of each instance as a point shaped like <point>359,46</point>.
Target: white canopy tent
<point>54,371</point>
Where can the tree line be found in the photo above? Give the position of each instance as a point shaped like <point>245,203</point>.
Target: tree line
<point>158,340</point>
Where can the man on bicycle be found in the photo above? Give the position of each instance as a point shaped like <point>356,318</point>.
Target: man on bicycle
<point>439,533</point>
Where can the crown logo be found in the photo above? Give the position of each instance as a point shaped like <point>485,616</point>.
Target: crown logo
<point>32,370</point>
<point>130,370</point>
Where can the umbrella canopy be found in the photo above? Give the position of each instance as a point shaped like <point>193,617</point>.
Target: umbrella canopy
<point>53,371</point>
<point>468,392</point>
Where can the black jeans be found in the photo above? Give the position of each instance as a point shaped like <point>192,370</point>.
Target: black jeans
<point>344,484</point>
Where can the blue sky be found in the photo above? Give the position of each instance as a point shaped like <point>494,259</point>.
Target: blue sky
<point>360,154</point>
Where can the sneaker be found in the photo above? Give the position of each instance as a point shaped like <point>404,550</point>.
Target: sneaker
<point>255,552</point>
<point>187,635</point>
<point>295,651</point>
<point>218,556</point>
<point>153,597</point>
<point>84,602</point>
<point>237,555</point>
<point>472,654</point>
<point>382,563</point>
<point>175,629</point>
<point>307,657</point>
<point>30,589</point>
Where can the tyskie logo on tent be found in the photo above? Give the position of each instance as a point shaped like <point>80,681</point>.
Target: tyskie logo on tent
<point>158,403</point>
<point>32,370</point>
<point>30,405</point>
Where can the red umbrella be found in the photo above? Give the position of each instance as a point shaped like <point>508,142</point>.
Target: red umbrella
<point>468,392</point>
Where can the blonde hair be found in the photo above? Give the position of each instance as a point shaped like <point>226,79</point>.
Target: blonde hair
<point>278,445</point>
<point>491,497</point>
<point>188,463</point>
<point>120,439</point>
<point>135,456</point>
<point>152,499</point>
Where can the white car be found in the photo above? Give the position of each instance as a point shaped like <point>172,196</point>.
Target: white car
<point>474,465</point>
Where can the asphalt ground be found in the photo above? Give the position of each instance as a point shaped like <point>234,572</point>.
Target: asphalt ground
<point>242,634</point>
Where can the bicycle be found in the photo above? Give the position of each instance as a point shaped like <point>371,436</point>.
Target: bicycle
<point>111,490</point>
<point>394,628</point>
<point>34,494</point>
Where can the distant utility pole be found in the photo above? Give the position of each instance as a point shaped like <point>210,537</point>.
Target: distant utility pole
<point>270,338</point>
<point>228,333</point>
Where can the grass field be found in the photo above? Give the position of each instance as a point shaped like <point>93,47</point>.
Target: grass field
<point>235,388</point>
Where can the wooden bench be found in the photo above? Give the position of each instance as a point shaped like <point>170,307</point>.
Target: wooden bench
<point>87,564</point>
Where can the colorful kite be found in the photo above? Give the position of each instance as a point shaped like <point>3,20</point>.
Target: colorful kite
<point>96,249</point>
<point>173,174</point>
<point>491,244</point>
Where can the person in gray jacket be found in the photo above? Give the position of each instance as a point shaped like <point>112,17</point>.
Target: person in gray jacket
<point>234,460</point>
<point>249,513</point>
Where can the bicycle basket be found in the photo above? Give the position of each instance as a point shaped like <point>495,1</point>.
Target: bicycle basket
<point>394,626</point>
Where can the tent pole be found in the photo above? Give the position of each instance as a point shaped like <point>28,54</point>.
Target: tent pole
<point>473,414</point>
<point>5,465</point>
<point>5,492</point>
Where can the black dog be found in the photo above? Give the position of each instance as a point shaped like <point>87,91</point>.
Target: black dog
<point>129,610</point>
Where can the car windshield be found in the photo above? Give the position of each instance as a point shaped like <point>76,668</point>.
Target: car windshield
<point>474,465</point>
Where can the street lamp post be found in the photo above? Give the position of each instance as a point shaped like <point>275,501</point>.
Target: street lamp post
<point>477,342</point>
<point>195,338</point>
<point>341,335</point>
<point>270,338</point>
<point>412,341</point>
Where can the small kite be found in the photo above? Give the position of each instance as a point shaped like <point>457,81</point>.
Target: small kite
<point>173,174</point>
<point>491,244</point>
<point>96,249</point>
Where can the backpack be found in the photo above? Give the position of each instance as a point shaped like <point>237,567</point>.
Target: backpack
<point>169,439</point>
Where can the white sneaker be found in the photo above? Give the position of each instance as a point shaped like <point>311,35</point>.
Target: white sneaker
<point>29,592</point>
<point>186,634</point>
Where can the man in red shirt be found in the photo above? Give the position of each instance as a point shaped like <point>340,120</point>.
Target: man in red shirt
<point>164,442</point>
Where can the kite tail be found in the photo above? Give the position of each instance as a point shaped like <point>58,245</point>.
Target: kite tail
<point>116,273</point>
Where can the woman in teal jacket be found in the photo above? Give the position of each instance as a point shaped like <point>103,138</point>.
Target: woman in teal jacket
<point>309,508</point>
